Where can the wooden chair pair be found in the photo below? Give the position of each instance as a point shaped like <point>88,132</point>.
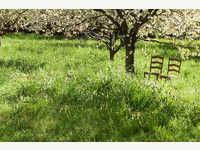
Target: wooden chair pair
<point>156,64</point>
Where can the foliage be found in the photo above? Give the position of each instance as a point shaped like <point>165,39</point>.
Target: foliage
<point>53,21</point>
<point>49,21</point>
<point>176,23</point>
<point>11,19</point>
<point>181,23</point>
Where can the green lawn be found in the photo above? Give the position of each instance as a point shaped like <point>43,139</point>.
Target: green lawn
<point>68,90</point>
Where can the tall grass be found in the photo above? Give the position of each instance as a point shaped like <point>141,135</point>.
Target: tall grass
<point>68,90</point>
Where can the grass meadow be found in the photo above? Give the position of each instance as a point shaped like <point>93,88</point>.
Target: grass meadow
<point>68,90</point>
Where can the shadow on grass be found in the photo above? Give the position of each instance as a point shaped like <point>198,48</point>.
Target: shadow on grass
<point>162,49</point>
<point>82,43</point>
<point>77,45</point>
<point>22,64</point>
<point>34,36</point>
<point>195,58</point>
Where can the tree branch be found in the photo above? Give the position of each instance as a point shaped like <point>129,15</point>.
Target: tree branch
<point>16,19</point>
<point>119,47</point>
<point>119,12</point>
<point>100,38</point>
<point>87,19</point>
<point>143,20</point>
<point>108,16</point>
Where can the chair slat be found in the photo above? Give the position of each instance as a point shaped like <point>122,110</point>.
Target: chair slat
<point>174,65</point>
<point>156,67</point>
<point>157,57</point>
<point>174,70</point>
<point>174,59</point>
<point>156,62</point>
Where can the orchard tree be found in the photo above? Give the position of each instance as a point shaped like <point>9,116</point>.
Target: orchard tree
<point>10,20</point>
<point>54,21</point>
<point>100,28</point>
<point>182,23</point>
<point>128,24</point>
<point>133,25</point>
<point>108,38</point>
<point>177,24</point>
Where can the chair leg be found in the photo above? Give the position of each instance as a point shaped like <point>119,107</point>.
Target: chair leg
<point>156,77</point>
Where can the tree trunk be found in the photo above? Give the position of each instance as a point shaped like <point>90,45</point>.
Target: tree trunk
<point>112,54</point>
<point>112,45</point>
<point>129,61</point>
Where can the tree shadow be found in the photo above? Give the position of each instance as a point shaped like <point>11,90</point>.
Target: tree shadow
<point>39,36</point>
<point>22,64</point>
<point>76,45</point>
<point>162,49</point>
<point>195,58</point>
<point>168,50</point>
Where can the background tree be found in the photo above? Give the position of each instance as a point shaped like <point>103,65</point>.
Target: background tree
<point>101,29</point>
<point>176,24</point>
<point>183,23</point>
<point>54,21</point>
<point>10,20</point>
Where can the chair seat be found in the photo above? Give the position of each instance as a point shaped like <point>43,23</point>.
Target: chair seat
<point>167,76</point>
<point>154,73</point>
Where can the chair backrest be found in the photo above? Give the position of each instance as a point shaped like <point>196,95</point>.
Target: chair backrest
<point>156,63</point>
<point>174,65</point>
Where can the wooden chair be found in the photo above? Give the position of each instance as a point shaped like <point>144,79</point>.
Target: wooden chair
<point>155,64</point>
<point>174,65</point>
